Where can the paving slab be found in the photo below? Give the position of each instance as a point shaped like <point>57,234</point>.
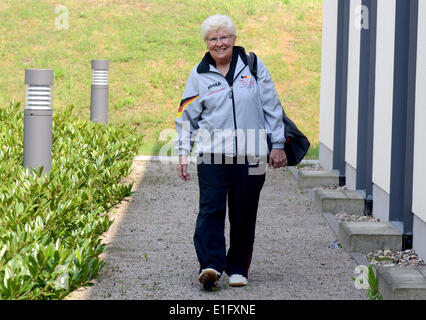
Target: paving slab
<point>368,236</point>
<point>315,178</point>
<point>335,201</point>
<point>402,283</point>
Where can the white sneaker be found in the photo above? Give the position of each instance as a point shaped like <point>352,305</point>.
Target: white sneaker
<point>237,280</point>
<point>208,277</point>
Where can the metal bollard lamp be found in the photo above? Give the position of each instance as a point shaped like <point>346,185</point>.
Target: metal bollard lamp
<point>99,94</point>
<point>38,119</point>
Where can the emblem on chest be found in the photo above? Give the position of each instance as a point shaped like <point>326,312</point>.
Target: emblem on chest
<point>246,82</point>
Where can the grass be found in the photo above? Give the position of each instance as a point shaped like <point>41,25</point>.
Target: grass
<point>152,46</point>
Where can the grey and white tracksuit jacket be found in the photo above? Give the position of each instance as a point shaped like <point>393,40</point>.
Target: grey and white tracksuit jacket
<point>231,120</point>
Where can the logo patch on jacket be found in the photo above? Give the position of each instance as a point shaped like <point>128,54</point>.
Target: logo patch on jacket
<point>246,82</point>
<point>184,103</point>
<point>217,84</point>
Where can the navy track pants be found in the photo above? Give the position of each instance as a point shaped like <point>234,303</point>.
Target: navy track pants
<point>219,183</point>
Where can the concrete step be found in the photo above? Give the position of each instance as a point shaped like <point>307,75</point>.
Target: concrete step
<point>402,283</point>
<point>369,236</point>
<point>335,201</point>
<point>333,222</point>
<point>315,178</point>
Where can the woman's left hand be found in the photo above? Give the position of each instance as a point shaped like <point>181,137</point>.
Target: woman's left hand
<point>277,158</point>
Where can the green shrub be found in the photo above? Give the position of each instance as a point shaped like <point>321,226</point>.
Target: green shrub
<point>50,224</point>
<point>373,282</point>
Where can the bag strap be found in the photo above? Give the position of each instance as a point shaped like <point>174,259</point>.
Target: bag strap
<point>252,62</point>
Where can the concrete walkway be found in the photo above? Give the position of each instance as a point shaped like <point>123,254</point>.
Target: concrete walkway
<point>151,253</point>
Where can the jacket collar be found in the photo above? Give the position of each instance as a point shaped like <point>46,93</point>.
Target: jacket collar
<point>207,61</point>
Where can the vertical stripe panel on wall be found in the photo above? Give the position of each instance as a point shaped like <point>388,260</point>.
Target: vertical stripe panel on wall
<point>400,212</point>
<point>409,141</point>
<point>366,102</point>
<point>419,165</point>
<point>341,88</point>
<point>328,83</point>
<point>353,93</point>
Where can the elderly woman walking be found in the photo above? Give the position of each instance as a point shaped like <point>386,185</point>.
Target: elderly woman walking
<point>228,113</point>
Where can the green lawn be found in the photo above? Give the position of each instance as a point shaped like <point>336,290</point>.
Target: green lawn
<point>152,46</point>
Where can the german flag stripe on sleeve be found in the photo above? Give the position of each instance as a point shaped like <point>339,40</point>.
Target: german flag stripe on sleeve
<point>186,102</point>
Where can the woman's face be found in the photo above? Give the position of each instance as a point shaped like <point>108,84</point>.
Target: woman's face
<point>220,44</point>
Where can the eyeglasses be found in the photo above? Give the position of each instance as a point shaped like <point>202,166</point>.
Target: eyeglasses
<point>216,40</point>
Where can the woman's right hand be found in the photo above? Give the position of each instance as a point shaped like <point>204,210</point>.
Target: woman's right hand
<point>182,169</point>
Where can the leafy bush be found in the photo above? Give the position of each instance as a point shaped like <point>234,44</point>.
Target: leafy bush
<point>50,224</point>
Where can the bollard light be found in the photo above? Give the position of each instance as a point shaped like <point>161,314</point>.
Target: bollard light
<point>38,119</point>
<point>99,95</point>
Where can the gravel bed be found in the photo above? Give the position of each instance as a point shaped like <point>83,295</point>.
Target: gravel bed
<point>330,188</point>
<point>344,217</point>
<point>393,257</point>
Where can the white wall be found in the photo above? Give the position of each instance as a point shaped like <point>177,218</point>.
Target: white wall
<point>419,237</point>
<point>384,97</point>
<point>419,173</point>
<point>328,72</point>
<point>353,84</point>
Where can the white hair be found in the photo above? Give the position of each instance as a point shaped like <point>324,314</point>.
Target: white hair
<point>218,21</point>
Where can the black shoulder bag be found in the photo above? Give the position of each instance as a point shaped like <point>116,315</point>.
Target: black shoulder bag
<point>296,145</point>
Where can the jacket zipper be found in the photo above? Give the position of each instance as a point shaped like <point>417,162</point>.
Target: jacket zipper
<point>231,96</point>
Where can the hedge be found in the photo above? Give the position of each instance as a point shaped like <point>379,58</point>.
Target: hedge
<point>51,224</point>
